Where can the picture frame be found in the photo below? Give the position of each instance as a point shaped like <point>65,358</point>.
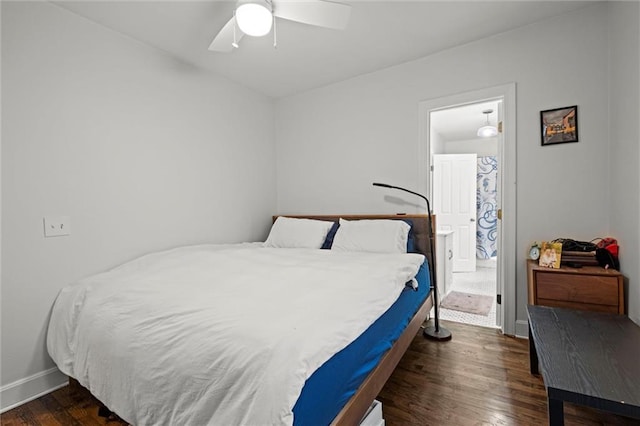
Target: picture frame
<point>550,254</point>
<point>559,125</point>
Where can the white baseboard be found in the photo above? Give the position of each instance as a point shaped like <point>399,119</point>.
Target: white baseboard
<point>522,329</point>
<point>24,390</point>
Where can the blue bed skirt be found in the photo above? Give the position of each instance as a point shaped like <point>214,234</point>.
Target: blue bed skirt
<point>328,389</point>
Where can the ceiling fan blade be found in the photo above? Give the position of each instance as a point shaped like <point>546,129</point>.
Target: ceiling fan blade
<point>313,12</point>
<point>224,39</point>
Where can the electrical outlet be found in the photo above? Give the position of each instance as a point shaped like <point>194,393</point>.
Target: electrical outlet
<point>56,226</point>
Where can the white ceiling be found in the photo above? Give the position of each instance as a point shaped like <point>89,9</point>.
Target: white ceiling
<point>379,34</point>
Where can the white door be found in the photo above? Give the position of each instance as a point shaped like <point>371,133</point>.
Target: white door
<point>454,201</point>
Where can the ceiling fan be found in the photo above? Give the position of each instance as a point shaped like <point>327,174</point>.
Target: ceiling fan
<point>256,17</point>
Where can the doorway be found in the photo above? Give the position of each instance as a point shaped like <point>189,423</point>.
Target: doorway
<point>471,180</point>
<point>465,197</point>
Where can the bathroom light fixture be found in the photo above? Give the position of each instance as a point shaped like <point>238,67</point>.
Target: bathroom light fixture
<point>255,17</point>
<point>487,131</point>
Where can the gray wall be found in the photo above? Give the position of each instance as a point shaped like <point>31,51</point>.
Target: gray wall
<point>624,110</point>
<point>142,152</point>
<point>334,141</point>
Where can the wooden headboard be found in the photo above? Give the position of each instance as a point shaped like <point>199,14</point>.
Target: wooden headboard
<point>420,225</point>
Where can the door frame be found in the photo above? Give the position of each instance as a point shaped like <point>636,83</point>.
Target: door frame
<point>506,265</point>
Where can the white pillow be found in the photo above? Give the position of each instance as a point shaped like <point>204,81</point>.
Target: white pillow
<point>289,232</point>
<point>372,235</point>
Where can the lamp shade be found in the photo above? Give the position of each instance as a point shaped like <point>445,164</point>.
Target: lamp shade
<point>487,131</point>
<point>254,18</point>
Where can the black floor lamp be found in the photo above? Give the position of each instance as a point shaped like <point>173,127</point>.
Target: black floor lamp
<point>434,332</point>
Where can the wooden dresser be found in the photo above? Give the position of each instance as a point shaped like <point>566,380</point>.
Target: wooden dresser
<point>589,288</point>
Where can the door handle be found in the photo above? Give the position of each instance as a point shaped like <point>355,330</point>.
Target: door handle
<point>472,220</point>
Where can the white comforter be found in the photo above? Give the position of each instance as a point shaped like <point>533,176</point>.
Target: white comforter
<point>217,334</point>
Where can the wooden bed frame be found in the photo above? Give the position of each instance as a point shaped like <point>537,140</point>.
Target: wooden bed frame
<point>356,408</point>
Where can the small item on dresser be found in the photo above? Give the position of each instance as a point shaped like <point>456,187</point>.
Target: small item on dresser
<point>573,245</point>
<point>605,242</point>
<point>578,257</point>
<point>550,253</point>
<point>607,253</point>
<point>606,259</point>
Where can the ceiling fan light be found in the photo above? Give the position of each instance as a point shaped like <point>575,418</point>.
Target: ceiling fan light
<point>254,19</point>
<point>487,131</point>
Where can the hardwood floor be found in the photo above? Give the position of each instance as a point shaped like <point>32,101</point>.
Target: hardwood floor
<point>478,378</point>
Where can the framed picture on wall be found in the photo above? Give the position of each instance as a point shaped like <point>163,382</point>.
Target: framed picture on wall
<point>559,125</point>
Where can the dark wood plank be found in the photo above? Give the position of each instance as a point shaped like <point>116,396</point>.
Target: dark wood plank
<point>68,406</point>
<point>480,377</point>
<point>588,358</point>
<point>19,416</point>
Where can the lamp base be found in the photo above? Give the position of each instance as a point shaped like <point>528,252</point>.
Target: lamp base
<point>441,335</point>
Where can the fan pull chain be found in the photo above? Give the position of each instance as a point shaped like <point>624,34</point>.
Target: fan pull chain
<point>275,35</point>
<point>235,24</point>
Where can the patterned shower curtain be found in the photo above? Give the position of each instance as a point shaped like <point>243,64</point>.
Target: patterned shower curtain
<point>487,207</point>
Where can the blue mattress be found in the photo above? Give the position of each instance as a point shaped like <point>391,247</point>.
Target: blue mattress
<point>334,383</point>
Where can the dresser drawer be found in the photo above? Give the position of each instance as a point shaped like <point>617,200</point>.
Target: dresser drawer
<point>592,289</point>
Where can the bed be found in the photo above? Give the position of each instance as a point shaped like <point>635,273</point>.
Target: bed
<point>146,338</point>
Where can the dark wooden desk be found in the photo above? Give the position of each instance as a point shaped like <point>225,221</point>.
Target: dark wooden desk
<point>586,358</point>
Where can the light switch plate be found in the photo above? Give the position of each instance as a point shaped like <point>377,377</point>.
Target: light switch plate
<point>56,226</point>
